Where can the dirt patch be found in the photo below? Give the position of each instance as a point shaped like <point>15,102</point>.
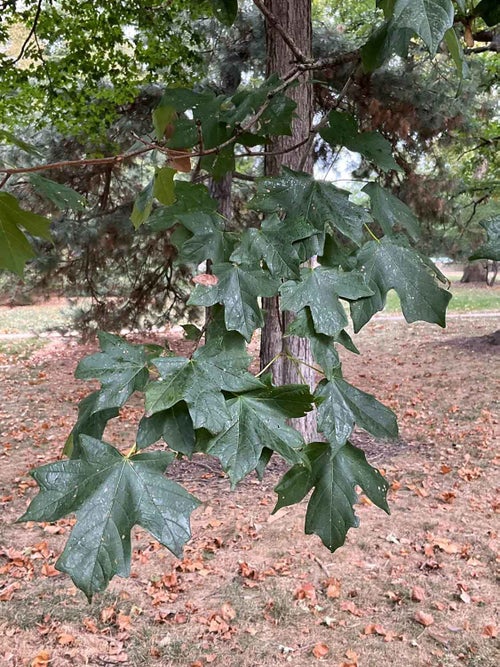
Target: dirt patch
<point>415,588</point>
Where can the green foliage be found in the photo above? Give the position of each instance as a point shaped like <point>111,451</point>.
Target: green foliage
<point>491,249</point>
<point>225,10</point>
<point>489,11</point>
<point>388,265</point>
<point>110,493</point>
<point>209,402</point>
<point>15,246</point>
<point>343,131</point>
<point>333,476</point>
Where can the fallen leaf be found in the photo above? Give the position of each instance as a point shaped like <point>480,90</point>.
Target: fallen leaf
<point>333,587</point>
<point>417,594</point>
<point>320,651</point>
<point>49,570</point>
<point>9,591</point>
<point>65,639</point>
<point>42,659</point>
<point>348,605</point>
<point>108,614</point>
<point>123,621</point>
<point>423,618</point>
<point>490,631</point>
<point>305,592</point>
<point>227,612</point>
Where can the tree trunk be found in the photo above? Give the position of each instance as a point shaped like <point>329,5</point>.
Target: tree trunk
<point>294,16</point>
<point>476,272</point>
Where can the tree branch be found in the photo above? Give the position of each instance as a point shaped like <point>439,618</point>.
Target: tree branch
<point>75,163</point>
<point>31,32</point>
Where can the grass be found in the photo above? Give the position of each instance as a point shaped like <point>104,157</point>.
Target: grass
<point>465,299</point>
<point>34,319</point>
<point>21,349</point>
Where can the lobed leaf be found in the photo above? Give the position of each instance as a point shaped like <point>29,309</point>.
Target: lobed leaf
<point>109,494</point>
<point>391,266</point>
<point>238,290</point>
<point>15,248</point>
<point>120,367</point>
<point>341,406</point>
<point>299,196</point>
<point>330,511</point>
<point>319,289</point>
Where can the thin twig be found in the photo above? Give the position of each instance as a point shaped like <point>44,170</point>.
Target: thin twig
<point>31,32</point>
<point>321,564</point>
<point>115,159</point>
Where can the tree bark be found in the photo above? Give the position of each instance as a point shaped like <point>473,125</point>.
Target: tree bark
<point>294,16</point>
<point>475,272</point>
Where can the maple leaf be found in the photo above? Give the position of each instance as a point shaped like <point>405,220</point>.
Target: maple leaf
<point>388,265</point>
<point>238,290</point>
<point>199,382</point>
<point>319,289</point>
<point>341,405</point>
<point>333,477</point>
<point>274,244</point>
<point>110,493</point>
<point>390,211</point>
<point>257,420</point>
<point>174,425</point>
<point>15,249</point>
<point>121,368</point>
<point>343,130</point>
<point>299,195</point>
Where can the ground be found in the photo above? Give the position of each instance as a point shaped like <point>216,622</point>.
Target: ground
<point>414,588</point>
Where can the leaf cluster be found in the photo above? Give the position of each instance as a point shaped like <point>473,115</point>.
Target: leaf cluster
<point>320,254</point>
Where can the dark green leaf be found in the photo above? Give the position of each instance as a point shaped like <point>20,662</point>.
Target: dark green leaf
<point>429,19</point>
<point>273,244</point>
<point>390,212</point>
<point>238,289</point>
<point>59,194</point>
<point>390,266</point>
<point>121,368</point>
<point>225,10</point>
<point>192,332</point>
<point>383,44</point>
<point>278,116</point>
<point>199,382</point>
<point>343,130</point>
<point>109,494</point>
<point>489,11</point>
<point>491,249</point>
<point>322,347</point>
<point>320,289</point>
<point>319,203</point>
<point>257,420</point>
<point>15,249</point>
<point>330,511</point>
<point>342,406</point>
<point>175,426</point>
<point>92,420</point>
